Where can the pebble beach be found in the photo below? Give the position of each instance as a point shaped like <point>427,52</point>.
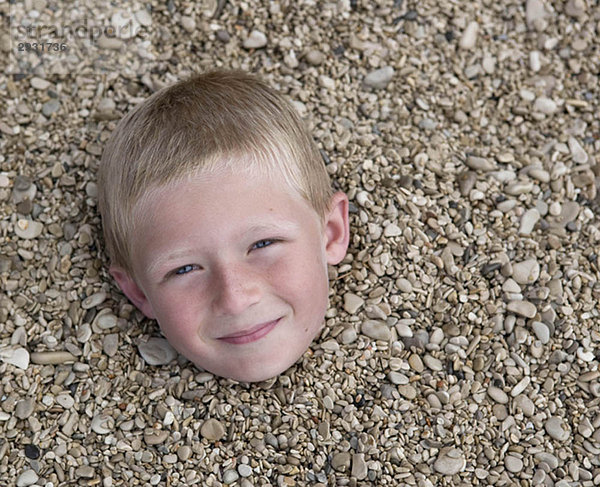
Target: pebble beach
<point>462,342</point>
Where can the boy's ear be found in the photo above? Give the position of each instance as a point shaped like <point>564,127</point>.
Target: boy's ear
<point>132,291</point>
<point>337,229</point>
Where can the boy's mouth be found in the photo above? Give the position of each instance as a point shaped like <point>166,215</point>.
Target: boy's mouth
<point>250,334</point>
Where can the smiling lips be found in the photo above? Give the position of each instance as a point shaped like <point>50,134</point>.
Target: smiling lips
<point>251,334</point>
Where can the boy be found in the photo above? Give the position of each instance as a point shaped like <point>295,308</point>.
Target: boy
<point>219,220</point>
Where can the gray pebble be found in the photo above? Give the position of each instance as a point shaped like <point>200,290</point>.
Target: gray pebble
<point>522,308</point>
<point>24,408</point>
<point>50,107</point>
<point>377,330</point>
<point>379,78</point>
<point>498,395</point>
<point>542,332</point>
<point>557,429</point>
<point>26,478</point>
<point>157,351</point>
<point>450,461</point>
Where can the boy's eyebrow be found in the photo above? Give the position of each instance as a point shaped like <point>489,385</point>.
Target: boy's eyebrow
<point>279,225</point>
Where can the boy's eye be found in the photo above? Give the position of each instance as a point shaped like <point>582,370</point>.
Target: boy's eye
<point>185,269</point>
<point>264,243</point>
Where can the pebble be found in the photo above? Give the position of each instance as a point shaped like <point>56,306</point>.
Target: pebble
<point>498,395</point>
<point>392,230</point>
<point>230,476</point>
<point>39,83</point>
<point>255,40</point>
<point>542,332</point>
<point>525,404</point>
<point>212,430</point>
<point>50,107</point>
<point>528,221</point>
<point>578,153</point>
<point>416,363</point>
<point>155,436</point>
<point>480,163</point>
<point>315,57</point>
<point>522,308</point>
<point>377,330</point>
<point>359,467</point>
<point>526,271</point>
<point>184,452</point>
<point>469,36</point>
<point>65,400</point>
<point>520,386</point>
<point>535,15</point>
<point>450,461</point>
<point>18,357</point>
<point>433,363</point>
<point>244,470</point>
<point>110,344</point>
<point>28,477</point>
<point>157,351</point>
<point>404,285</point>
<point>25,408</point>
<point>93,300</point>
<point>28,229</point>
<point>513,464</point>
<point>189,24</point>
<point>545,105</point>
<point>556,428</point>
<point>352,303</point>
<point>103,424</point>
<point>341,461</point>
<point>379,78</point>
<point>52,358</point>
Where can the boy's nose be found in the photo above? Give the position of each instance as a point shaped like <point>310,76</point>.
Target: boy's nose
<point>236,289</point>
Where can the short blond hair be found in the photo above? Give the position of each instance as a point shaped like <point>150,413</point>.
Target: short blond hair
<point>205,123</point>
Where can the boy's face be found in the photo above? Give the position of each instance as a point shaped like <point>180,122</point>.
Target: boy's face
<point>234,269</point>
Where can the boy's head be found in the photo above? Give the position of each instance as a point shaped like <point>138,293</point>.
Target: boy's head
<point>220,220</point>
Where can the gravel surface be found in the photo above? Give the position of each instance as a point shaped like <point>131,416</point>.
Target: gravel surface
<point>463,338</point>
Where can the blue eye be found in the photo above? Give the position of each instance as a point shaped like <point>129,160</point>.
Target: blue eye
<point>185,269</point>
<point>262,244</point>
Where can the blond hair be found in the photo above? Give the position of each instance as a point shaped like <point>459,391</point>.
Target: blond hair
<point>207,122</point>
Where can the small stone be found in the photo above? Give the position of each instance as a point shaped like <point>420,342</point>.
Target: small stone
<point>184,452</point>
<point>255,40</point>
<point>111,43</point>
<point>525,404</point>
<point>244,470</point>
<point>379,78</point>
<point>513,464</point>
<point>28,477</point>
<point>106,105</point>
<point>103,424</point>
<point>84,333</point>
<point>230,476</point>
<point>480,163</point>
<point>498,395</point>
<point>466,182</point>
<point>392,230</point>
<point>188,23</point>
<point>528,221</point>
<point>526,272</point>
<point>352,303</point>
<point>534,61</point>
<point>84,472</point>
<point>520,386</point>
<point>416,363</point>
<point>542,332</point>
<point>212,430</point>
<point>93,300</point>
<point>18,357</point>
<point>52,358</point>
<point>575,8</point>
<point>535,15</point>
<point>404,285</point>
<point>341,461</point>
<point>155,437</point>
<point>65,400</point>
<point>144,17</point>
<point>349,335</point>
<point>556,428</point>
<point>110,344</point>
<point>28,229</point>
<point>544,105</point>
<point>408,391</point>
<point>578,153</point>
<point>397,378</point>
<point>522,308</point>
<point>32,452</point>
<point>157,351</point>
<point>433,363</point>
<point>24,408</point>
<point>359,466</point>
<point>450,461</point>
<point>50,107</point>
<point>469,36</point>
<point>315,57</point>
<point>39,83</point>
<point>377,330</point>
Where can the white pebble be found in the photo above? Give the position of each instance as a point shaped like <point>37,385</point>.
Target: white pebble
<point>528,221</point>
<point>28,229</point>
<point>469,37</point>
<point>28,477</point>
<point>379,78</point>
<point>19,357</point>
<point>578,153</point>
<point>255,40</point>
<point>544,105</point>
<point>157,351</point>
